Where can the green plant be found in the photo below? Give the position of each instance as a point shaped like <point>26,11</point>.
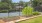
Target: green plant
<point>27,10</point>
<point>4,11</point>
<point>36,13</point>
<point>35,20</point>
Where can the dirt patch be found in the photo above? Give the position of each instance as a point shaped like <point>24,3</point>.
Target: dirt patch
<point>1,21</point>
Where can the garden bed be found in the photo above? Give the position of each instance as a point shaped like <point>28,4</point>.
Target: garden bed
<point>34,20</point>
<point>14,18</point>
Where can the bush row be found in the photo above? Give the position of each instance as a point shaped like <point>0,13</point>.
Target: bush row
<point>29,11</point>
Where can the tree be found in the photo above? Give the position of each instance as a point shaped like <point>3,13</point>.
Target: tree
<point>36,2</point>
<point>26,4</point>
<point>27,11</point>
<point>4,6</point>
<point>21,3</point>
<point>30,2</point>
<point>10,4</point>
<point>7,1</point>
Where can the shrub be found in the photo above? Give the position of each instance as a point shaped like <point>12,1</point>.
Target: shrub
<point>36,13</point>
<point>4,11</point>
<point>27,10</point>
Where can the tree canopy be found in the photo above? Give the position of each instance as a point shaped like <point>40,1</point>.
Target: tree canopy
<point>36,2</point>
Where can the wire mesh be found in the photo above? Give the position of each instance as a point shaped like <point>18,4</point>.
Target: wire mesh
<point>13,11</point>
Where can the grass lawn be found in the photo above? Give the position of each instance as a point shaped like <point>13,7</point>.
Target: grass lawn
<point>35,20</point>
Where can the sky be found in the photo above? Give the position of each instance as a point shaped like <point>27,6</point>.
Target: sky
<point>19,0</point>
